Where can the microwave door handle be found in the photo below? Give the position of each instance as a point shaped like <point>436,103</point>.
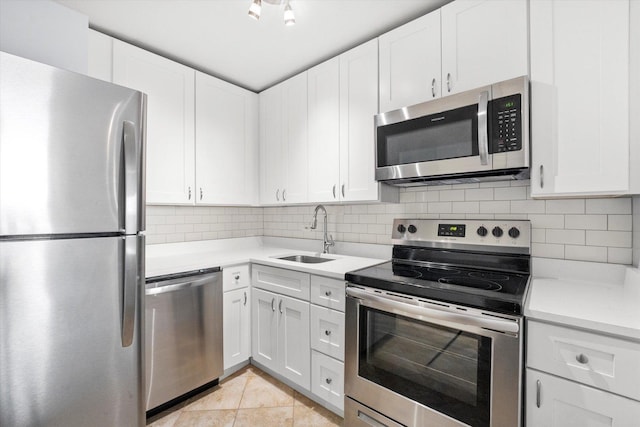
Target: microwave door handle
<point>483,132</point>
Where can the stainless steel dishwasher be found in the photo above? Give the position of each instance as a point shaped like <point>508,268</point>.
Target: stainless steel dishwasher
<point>183,334</point>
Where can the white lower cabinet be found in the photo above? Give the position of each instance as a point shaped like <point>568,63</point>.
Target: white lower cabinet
<point>327,331</point>
<point>578,378</point>
<point>327,378</point>
<point>556,402</point>
<point>236,307</point>
<point>280,335</point>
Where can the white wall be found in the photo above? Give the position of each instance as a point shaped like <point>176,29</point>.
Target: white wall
<point>636,231</point>
<point>44,31</point>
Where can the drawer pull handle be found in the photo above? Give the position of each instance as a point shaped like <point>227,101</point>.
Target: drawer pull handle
<point>236,277</point>
<point>582,359</point>
<point>538,388</point>
<point>328,293</point>
<point>327,332</point>
<point>328,380</point>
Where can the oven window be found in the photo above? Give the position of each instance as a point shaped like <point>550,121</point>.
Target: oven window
<point>449,135</point>
<point>445,369</point>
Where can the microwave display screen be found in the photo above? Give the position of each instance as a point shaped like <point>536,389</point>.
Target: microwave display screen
<point>449,135</point>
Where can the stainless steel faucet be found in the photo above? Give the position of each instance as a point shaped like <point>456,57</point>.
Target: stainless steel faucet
<point>327,240</point>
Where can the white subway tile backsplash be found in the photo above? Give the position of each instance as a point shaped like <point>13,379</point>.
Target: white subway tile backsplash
<point>578,229</point>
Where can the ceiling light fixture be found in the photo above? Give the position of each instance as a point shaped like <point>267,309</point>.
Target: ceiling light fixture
<point>289,17</point>
<point>256,7</point>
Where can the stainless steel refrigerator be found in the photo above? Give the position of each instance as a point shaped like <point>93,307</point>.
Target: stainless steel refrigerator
<point>71,249</point>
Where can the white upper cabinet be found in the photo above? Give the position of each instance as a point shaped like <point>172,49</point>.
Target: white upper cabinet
<point>324,131</point>
<point>410,63</point>
<point>284,142</point>
<point>170,120</point>
<point>226,155</point>
<point>580,97</point>
<point>483,42</point>
<point>100,56</point>
<point>358,105</point>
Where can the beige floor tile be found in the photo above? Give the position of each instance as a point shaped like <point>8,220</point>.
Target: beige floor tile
<point>315,417</point>
<point>206,419</point>
<point>265,391</point>
<point>165,419</point>
<point>265,417</point>
<point>226,396</point>
<point>302,400</point>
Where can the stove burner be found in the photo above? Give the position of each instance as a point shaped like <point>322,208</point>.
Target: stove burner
<point>443,270</point>
<point>487,275</point>
<point>482,284</point>
<point>406,272</point>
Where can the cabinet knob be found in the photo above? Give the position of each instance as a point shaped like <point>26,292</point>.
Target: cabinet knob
<point>328,293</point>
<point>541,176</point>
<point>200,193</point>
<point>189,193</point>
<point>582,359</point>
<point>334,191</point>
<point>328,380</point>
<point>433,87</point>
<point>342,190</point>
<point>245,298</point>
<point>273,307</point>
<point>284,195</point>
<point>280,307</point>
<point>327,332</point>
<point>448,82</point>
<point>236,277</point>
<point>278,195</point>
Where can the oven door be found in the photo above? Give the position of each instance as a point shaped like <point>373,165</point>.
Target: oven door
<point>441,137</point>
<point>425,363</point>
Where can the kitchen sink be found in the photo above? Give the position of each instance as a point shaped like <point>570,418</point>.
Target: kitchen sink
<point>306,259</point>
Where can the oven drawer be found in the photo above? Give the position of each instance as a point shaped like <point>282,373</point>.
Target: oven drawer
<point>327,379</point>
<point>235,277</point>
<point>328,292</point>
<point>600,361</point>
<point>281,281</point>
<point>327,331</point>
<point>357,415</point>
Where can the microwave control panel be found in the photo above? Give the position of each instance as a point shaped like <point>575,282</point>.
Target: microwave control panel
<point>506,126</point>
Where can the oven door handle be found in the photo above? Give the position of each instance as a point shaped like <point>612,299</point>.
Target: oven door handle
<point>431,313</point>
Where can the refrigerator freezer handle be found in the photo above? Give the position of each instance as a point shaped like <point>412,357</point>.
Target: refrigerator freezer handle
<point>133,272</point>
<point>133,208</point>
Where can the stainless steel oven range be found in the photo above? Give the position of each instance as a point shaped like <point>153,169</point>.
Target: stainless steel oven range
<point>435,336</point>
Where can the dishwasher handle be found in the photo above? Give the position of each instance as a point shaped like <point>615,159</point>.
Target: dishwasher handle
<point>178,285</point>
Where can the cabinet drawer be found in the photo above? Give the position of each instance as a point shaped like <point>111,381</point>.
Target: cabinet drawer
<point>556,402</point>
<point>327,331</point>
<point>600,361</point>
<point>235,277</point>
<point>286,282</point>
<point>327,379</point>
<point>328,292</point>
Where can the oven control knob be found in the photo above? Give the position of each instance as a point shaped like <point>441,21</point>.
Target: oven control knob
<point>402,228</point>
<point>412,229</point>
<point>497,231</point>
<point>514,232</point>
<point>482,231</point>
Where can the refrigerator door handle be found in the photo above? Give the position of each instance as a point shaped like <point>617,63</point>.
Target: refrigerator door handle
<point>133,255</point>
<point>133,208</point>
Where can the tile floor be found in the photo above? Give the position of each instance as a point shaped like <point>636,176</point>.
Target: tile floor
<point>249,398</point>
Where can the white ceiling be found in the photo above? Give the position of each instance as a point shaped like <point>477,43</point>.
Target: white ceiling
<point>219,38</point>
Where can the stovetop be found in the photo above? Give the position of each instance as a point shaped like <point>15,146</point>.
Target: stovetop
<point>456,262</point>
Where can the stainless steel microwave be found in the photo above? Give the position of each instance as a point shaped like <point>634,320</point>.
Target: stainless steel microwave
<point>478,135</point>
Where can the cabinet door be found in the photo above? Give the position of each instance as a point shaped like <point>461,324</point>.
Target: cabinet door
<point>272,153</point>
<point>294,352</point>
<point>327,379</point>
<point>294,97</point>
<point>483,42</point>
<point>358,105</point>
<point>236,327</point>
<point>264,328</point>
<point>563,403</point>
<point>324,131</point>
<point>580,97</point>
<point>170,120</point>
<point>100,56</point>
<point>226,143</point>
<point>410,61</point>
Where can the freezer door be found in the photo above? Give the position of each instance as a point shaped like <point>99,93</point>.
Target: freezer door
<point>71,152</point>
<point>62,357</point>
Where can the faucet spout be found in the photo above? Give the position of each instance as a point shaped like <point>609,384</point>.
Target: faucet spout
<point>327,240</point>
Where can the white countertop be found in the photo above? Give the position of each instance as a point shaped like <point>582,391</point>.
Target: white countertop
<point>187,256</point>
<point>607,306</point>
